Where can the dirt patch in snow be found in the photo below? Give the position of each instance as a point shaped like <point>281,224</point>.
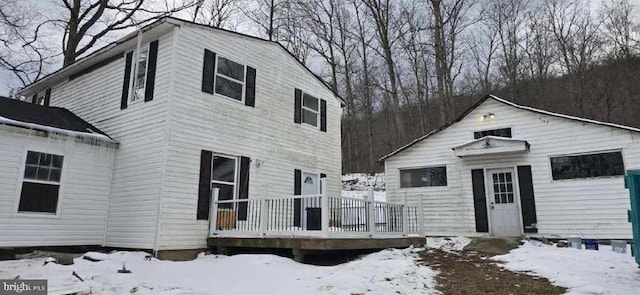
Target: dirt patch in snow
<point>470,272</point>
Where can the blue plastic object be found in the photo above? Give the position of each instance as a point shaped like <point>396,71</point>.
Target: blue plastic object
<point>632,182</point>
<point>591,244</point>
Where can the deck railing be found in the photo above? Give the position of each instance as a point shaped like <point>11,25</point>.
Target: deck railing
<point>312,215</point>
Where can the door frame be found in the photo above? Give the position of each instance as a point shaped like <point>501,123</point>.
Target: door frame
<point>516,194</point>
<point>236,175</point>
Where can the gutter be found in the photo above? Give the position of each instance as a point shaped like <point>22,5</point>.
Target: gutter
<point>7,121</point>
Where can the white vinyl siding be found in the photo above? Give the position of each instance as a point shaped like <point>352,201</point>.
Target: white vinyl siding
<point>264,133</point>
<point>84,190</point>
<point>141,130</point>
<point>594,207</point>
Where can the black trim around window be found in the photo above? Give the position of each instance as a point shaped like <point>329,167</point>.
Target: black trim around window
<point>423,177</point>
<point>587,165</point>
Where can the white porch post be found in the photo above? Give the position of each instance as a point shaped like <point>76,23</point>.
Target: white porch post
<point>405,214</point>
<point>421,229</point>
<point>264,209</point>
<point>371,211</point>
<point>324,208</point>
<point>213,211</point>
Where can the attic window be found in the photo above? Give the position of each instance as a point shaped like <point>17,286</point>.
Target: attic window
<point>502,132</point>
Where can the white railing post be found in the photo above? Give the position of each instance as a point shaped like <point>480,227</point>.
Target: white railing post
<point>264,209</point>
<point>213,211</point>
<point>421,229</point>
<point>324,207</point>
<point>405,214</point>
<point>370,206</point>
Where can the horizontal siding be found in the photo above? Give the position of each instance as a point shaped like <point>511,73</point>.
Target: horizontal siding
<point>265,132</point>
<point>83,200</point>
<point>141,130</point>
<point>586,207</point>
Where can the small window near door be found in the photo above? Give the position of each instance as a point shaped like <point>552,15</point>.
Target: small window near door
<point>502,132</point>
<point>587,166</point>
<point>423,177</point>
<point>41,183</point>
<point>224,177</point>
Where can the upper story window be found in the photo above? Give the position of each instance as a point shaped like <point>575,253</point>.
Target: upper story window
<point>42,98</point>
<point>587,165</point>
<point>502,132</point>
<point>421,177</point>
<point>230,79</point>
<point>310,110</point>
<point>41,183</point>
<point>139,75</point>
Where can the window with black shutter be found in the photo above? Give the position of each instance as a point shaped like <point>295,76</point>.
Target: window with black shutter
<point>228,78</point>
<point>310,110</point>
<point>41,183</point>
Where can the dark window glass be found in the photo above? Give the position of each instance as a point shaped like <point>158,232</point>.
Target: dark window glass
<point>230,69</point>
<point>228,88</point>
<point>432,176</point>
<point>38,197</point>
<point>586,166</point>
<point>310,117</point>
<point>310,102</point>
<point>503,132</point>
<point>225,194</point>
<point>224,169</point>
<point>41,166</point>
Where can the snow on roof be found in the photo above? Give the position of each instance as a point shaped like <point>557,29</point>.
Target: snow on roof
<point>481,101</point>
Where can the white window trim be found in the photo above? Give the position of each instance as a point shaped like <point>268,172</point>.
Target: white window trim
<point>244,83</point>
<point>235,175</point>
<point>134,73</point>
<point>21,179</point>
<point>302,108</point>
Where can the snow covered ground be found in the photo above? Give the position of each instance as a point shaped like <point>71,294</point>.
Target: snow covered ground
<point>448,244</point>
<point>362,181</point>
<point>582,271</point>
<point>384,272</point>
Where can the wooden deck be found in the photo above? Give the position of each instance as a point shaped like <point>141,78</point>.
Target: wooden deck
<point>303,245</point>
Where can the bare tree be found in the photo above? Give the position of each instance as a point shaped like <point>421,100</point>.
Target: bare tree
<point>215,13</point>
<point>619,28</point>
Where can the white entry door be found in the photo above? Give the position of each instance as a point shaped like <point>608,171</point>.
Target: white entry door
<point>310,206</point>
<point>503,203</point>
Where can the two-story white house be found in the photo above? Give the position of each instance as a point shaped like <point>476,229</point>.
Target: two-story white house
<point>184,108</point>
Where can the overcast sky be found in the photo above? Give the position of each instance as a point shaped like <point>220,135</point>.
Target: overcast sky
<point>8,80</point>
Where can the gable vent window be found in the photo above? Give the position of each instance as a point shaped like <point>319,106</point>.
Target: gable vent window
<point>421,177</point>
<point>587,166</point>
<point>502,132</point>
<point>41,183</point>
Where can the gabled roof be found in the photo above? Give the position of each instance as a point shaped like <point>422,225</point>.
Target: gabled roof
<point>498,99</point>
<point>106,52</point>
<point>28,115</point>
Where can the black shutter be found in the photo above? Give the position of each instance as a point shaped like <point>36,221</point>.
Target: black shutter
<point>47,96</point>
<point>34,99</point>
<point>125,83</point>
<point>297,105</point>
<point>250,99</point>
<point>243,187</point>
<point>323,179</point>
<point>151,71</point>
<point>208,71</point>
<point>297,204</point>
<point>479,201</point>
<point>204,190</point>
<point>527,199</point>
<point>323,115</point>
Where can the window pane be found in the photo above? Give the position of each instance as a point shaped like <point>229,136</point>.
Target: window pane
<point>57,161</point>
<point>310,117</point>
<point>586,166</point>
<point>223,169</point>
<point>432,176</point>
<point>141,73</point>
<point>310,102</point>
<point>230,69</point>
<point>503,132</point>
<point>228,88</point>
<point>33,157</point>
<point>37,197</point>
<point>226,193</point>
<point>54,175</point>
<point>30,172</point>
<point>43,174</point>
<point>45,160</point>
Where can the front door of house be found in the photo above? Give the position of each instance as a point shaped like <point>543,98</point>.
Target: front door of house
<point>311,206</point>
<point>503,203</point>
